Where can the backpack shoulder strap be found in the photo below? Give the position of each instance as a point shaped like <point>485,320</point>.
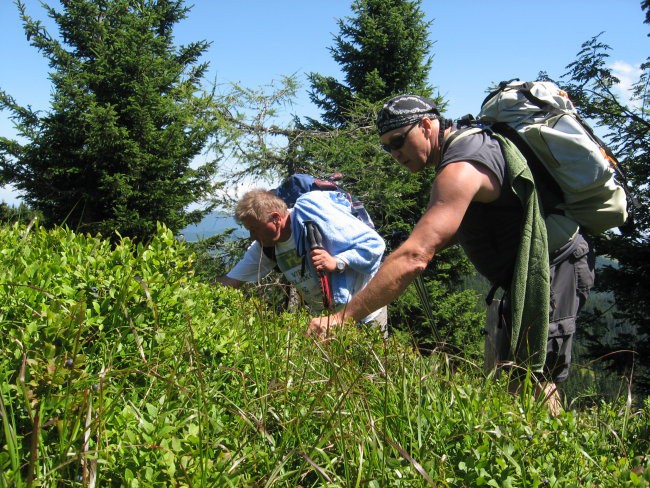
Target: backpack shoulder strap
<point>545,182</point>
<point>459,134</point>
<point>269,252</point>
<point>547,186</point>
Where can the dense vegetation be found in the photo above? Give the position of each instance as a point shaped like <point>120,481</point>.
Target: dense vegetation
<point>130,111</point>
<point>120,368</point>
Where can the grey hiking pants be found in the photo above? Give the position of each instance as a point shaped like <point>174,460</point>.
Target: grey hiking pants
<point>572,277</point>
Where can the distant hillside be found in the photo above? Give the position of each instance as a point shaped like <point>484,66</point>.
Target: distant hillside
<point>213,224</point>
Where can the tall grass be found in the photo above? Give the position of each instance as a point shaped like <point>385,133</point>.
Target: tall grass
<point>119,368</point>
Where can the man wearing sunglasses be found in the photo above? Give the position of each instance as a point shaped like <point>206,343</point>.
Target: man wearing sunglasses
<point>473,202</point>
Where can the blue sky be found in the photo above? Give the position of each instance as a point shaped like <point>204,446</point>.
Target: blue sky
<point>476,43</point>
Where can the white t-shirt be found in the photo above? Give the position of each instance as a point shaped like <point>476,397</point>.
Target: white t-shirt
<point>255,265</point>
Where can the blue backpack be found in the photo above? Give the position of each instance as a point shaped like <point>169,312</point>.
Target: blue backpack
<point>298,184</point>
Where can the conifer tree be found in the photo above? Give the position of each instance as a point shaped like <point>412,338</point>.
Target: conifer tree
<point>383,50</point>
<point>127,118</point>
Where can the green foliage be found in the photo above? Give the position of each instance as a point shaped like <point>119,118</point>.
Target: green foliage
<point>386,40</point>
<point>251,132</point>
<point>127,118</point>
<point>457,311</point>
<point>94,339</point>
<point>119,367</point>
<point>383,50</point>
<point>216,255</point>
<point>12,214</point>
<point>624,341</point>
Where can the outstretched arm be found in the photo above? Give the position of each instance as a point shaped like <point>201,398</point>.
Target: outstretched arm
<point>253,266</point>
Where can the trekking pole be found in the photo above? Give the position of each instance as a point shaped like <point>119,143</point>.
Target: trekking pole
<point>315,240</point>
<point>426,304</point>
<point>396,240</point>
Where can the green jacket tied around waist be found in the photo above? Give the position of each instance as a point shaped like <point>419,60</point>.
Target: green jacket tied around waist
<point>530,285</point>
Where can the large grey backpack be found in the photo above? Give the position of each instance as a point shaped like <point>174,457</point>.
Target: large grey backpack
<point>541,115</point>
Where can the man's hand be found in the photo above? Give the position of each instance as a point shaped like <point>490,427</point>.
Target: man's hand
<point>323,261</point>
<point>227,281</point>
<point>321,327</point>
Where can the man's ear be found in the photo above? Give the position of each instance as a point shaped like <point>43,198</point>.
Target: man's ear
<point>428,125</point>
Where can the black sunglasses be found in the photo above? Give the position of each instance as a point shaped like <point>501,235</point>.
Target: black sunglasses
<point>396,142</point>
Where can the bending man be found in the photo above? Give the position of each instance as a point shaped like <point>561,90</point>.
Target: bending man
<point>472,202</point>
<point>350,255</point>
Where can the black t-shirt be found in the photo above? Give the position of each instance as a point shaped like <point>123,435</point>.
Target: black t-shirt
<point>489,232</point>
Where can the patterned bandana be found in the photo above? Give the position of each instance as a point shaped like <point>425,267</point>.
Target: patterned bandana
<point>404,110</point>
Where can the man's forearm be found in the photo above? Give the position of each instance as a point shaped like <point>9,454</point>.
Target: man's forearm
<point>227,281</point>
<point>394,275</point>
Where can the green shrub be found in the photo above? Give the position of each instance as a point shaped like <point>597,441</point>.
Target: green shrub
<point>118,367</point>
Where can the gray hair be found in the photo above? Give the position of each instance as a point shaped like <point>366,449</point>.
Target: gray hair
<point>259,204</point>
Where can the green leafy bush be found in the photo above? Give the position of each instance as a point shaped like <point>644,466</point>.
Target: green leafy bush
<point>118,367</point>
